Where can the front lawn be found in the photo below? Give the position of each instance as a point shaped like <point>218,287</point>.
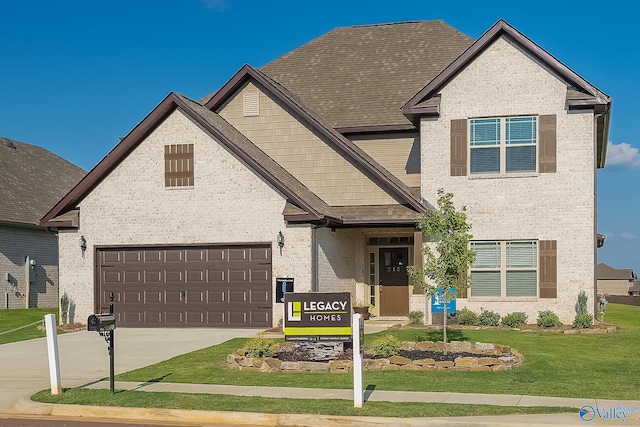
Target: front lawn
<point>589,366</point>
<point>12,322</point>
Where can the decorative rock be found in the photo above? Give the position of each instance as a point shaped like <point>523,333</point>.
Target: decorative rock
<point>391,368</point>
<point>429,368</point>
<point>596,331</point>
<point>399,360</point>
<point>271,365</point>
<point>479,368</point>
<point>408,345</point>
<point>445,364</point>
<point>484,346</point>
<point>502,348</point>
<point>466,361</point>
<point>489,361</point>
<point>314,366</point>
<point>340,364</point>
<point>423,362</point>
<point>499,368</point>
<point>424,345</point>
<point>375,364</point>
<point>410,367</point>
<point>458,368</point>
<point>460,346</point>
<point>257,362</point>
<point>571,331</point>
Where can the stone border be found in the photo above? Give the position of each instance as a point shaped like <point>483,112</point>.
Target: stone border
<point>490,357</point>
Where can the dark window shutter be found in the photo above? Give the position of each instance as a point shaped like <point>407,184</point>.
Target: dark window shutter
<point>417,257</point>
<point>178,165</point>
<point>547,154</point>
<point>548,253</point>
<point>459,147</point>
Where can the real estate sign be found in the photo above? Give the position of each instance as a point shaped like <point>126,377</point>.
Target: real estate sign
<point>317,316</point>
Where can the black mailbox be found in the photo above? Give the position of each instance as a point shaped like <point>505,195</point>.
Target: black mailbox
<point>101,322</point>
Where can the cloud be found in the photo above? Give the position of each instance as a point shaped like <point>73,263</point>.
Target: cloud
<point>217,5</point>
<point>627,236</point>
<point>623,154</point>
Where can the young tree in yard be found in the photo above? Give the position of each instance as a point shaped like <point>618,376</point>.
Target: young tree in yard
<point>445,265</point>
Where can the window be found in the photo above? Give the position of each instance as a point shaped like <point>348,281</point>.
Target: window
<point>505,269</point>
<point>178,165</point>
<point>503,145</point>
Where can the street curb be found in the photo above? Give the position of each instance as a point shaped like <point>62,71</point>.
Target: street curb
<point>29,407</point>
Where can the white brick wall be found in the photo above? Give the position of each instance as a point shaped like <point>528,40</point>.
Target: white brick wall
<point>229,203</point>
<point>16,243</point>
<point>503,81</point>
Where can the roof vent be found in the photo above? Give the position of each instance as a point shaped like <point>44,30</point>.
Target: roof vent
<point>9,143</point>
<point>251,104</point>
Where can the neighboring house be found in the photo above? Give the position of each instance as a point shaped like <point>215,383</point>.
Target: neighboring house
<point>615,281</point>
<point>315,167</point>
<point>32,180</point>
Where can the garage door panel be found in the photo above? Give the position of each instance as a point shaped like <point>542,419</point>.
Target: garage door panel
<point>174,276</point>
<point>132,277</point>
<point>174,255</point>
<point>132,318</point>
<point>133,256</point>
<point>259,297</point>
<point>238,296</point>
<point>196,276</point>
<point>153,277</point>
<point>188,286</point>
<point>153,256</point>
<point>133,297</point>
<point>153,297</point>
<point>216,276</point>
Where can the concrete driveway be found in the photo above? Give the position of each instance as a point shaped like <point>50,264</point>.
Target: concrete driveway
<point>24,366</point>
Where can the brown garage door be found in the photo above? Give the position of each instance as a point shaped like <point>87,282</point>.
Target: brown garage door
<point>226,286</point>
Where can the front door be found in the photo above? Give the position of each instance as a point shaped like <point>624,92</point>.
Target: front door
<point>394,282</point>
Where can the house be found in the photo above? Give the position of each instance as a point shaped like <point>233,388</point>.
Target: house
<point>615,281</point>
<point>315,166</point>
<point>32,180</point>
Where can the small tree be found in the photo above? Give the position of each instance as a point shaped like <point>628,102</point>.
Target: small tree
<point>446,264</point>
<point>64,307</point>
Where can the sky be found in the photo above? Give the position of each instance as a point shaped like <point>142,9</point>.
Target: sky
<point>77,75</point>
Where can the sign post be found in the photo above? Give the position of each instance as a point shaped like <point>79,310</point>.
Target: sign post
<point>357,361</point>
<point>54,358</point>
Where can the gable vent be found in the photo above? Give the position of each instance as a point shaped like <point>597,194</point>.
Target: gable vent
<point>251,104</point>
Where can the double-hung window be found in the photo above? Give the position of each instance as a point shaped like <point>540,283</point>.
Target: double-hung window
<point>503,145</point>
<point>505,269</point>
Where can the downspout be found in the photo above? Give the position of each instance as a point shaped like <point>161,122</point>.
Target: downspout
<point>595,195</point>
<point>315,285</point>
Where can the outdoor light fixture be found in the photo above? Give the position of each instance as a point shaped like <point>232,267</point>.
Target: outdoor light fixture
<point>83,244</point>
<point>280,239</point>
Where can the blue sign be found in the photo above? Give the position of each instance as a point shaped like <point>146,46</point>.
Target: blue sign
<point>437,303</point>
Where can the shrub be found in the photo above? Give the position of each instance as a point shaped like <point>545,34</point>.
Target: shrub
<point>489,318</point>
<point>259,347</point>
<point>416,317</point>
<point>548,319</point>
<point>64,307</point>
<point>581,306</point>
<point>467,317</point>
<point>583,321</point>
<point>385,346</point>
<point>514,320</point>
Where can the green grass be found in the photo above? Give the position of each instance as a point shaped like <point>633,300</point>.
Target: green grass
<point>16,318</point>
<point>589,366</point>
<point>223,402</point>
<point>581,366</point>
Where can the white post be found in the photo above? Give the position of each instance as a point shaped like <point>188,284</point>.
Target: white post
<point>52,348</point>
<point>357,361</point>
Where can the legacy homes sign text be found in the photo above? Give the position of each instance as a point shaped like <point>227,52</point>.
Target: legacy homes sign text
<point>317,316</point>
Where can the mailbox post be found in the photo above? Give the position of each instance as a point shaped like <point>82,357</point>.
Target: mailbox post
<point>105,325</point>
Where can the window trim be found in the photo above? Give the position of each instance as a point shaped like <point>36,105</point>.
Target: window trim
<point>502,146</point>
<point>503,269</point>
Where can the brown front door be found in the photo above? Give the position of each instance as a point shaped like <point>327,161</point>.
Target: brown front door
<point>394,282</point>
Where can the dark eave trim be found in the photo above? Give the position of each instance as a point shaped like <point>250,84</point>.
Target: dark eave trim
<point>247,72</point>
<point>499,29</point>
<point>377,129</point>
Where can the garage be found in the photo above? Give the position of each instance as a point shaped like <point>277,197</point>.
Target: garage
<point>191,286</point>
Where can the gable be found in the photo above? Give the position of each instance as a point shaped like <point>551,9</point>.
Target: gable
<point>134,199</point>
<point>307,155</point>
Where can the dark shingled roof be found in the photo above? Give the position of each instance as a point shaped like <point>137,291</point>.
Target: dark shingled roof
<point>606,272</point>
<point>32,181</point>
<point>363,75</point>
